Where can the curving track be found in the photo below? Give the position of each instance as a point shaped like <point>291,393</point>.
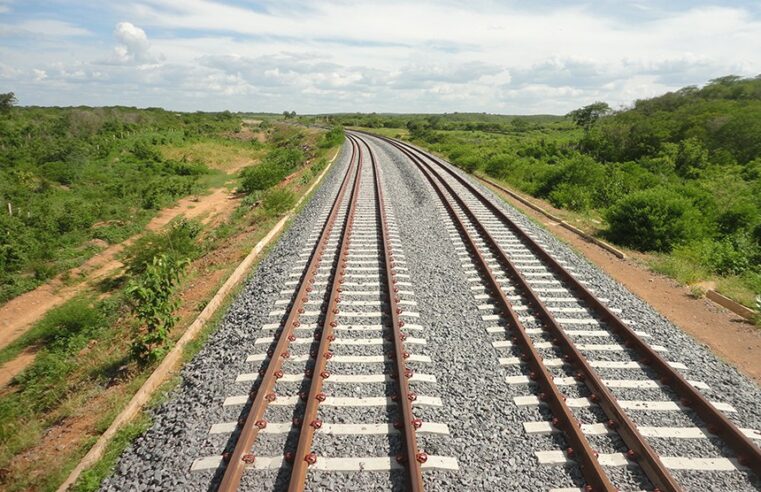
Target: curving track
<point>427,337</point>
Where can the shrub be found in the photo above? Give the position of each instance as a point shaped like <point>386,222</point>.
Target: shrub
<point>143,151</point>
<point>756,235</point>
<point>740,216</point>
<point>277,201</point>
<point>571,196</point>
<point>260,177</point>
<point>691,158</point>
<point>732,255</point>
<point>74,319</point>
<point>184,168</point>
<point>178,240</point>
<point>152,302</point>
<point>752,170</point>
<point>653,220</point>
<point>275,166</point>
<point>332,138</point>
<point>499,166</point>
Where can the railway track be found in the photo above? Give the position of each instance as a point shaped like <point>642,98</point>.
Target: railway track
<point>543,313</point>
<point>349,320</point>
<point>341,387</point>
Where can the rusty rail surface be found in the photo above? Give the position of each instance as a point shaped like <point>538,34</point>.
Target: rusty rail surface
<point>748,454</point>
<point>242,454</point>
<point>310,423</point>
<point>412,458</point>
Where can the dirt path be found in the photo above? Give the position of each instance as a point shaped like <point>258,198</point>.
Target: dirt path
<point>20,313</point>
<point>728,335</point>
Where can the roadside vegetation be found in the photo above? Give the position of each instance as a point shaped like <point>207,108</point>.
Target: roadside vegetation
<point>73,180</point>
<point>93,352</point>
<point>676,176</point>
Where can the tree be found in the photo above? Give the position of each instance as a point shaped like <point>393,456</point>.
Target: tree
<point>691,158</point>
<point>519,124</point>
<point>588,115</point>
<point>7,101</point>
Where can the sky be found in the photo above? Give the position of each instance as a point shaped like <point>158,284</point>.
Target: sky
<point>508,57</point>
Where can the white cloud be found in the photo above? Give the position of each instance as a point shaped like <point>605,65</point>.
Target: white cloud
<point>42,27</point>
<point>394,56</point>
<point>132,44</point>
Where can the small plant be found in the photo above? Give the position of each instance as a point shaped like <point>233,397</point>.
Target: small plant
<point>696,292</point>
<point>277,201</point>
<point>151,299</point>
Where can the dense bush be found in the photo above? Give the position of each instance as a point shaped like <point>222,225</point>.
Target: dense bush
<point>178,240</point>
<point>709,124</point>
<point>260,177</point>
<point>332,138</point>
<point>653,220</point>
<point>275,166</point>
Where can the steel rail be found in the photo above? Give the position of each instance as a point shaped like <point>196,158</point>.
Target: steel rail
<point>639,449</point>
<point>579,446</point>
<point>264,394</point>
<point>747,453</point>
<point>304,456</point>
<point>412,458</point>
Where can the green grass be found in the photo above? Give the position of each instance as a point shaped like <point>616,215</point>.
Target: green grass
<point>277,201</point>
<point>76,360</point>
<point>74,175</point>
<point>76,316</point>
<point>402,133</point>
<point>91,478</point>
<point>226,155</point>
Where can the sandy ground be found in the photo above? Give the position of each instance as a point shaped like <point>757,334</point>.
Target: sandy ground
<point>19,314</point>
<point>728,335</point>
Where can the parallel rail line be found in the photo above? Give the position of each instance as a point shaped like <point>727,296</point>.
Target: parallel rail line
<point>748,454</point>
<point>263,395</point>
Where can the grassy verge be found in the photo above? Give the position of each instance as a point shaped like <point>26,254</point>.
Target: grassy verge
<point>81,179</point>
